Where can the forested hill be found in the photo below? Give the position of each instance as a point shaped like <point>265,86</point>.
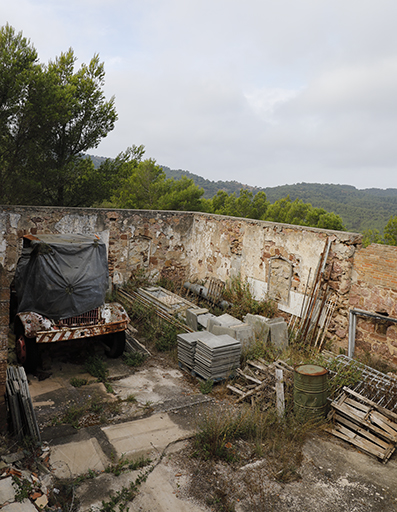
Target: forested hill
<point>359,209</point>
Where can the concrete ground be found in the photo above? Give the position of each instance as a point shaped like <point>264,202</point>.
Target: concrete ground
<point>153,415</point>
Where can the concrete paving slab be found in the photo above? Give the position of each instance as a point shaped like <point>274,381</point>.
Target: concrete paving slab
<point>152,385</point>
<point>91,493</point>
<point>160,494</point>
<point>145,436</point>
<point>7,491</point>
<point>24,506</point>
<point>73,459</point>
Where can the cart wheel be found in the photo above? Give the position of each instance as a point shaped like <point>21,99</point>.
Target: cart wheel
<point>116,343</point>
<point>27,352</point>
<point>20,348</point>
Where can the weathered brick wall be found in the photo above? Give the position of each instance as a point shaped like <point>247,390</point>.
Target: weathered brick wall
<point>275,258</point>
<point>374,289</point>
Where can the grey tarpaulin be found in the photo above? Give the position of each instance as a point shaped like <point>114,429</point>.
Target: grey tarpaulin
<point>60,276</point>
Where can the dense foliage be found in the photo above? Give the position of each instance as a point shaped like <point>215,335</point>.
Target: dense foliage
<point>50,115</point>
<point>360,209</point>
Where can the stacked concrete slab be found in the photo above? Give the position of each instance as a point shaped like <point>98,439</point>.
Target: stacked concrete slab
<point>187,348</point>
<point>227,324</point>
<point>216,357</point>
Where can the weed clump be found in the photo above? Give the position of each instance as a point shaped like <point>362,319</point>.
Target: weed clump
<point>279,439</point>
<point>78,383</point>
<point>238,294</point>
<point>96,367</point>
<point>134,359</point>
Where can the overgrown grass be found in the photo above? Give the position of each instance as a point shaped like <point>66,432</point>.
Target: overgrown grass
<point>238,294</point>
<point>280,440</point>
<point>97,409</point>
<point>206,386</point>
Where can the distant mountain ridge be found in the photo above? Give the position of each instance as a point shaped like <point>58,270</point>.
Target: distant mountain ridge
<point>369,208</point>
<point>360,209</point>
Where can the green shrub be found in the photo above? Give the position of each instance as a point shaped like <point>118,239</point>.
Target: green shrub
<point>78,383</point>
<point>96,367</point>
<point>134,359</point>
<point>167,338</point>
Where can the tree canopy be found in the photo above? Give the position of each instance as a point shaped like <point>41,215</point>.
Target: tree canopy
<point>50,115</point>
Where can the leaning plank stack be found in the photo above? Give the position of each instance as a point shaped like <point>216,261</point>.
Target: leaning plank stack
<point>20,404</point>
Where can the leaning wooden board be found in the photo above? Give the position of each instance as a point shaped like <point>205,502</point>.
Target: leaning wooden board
<point>364,424</point>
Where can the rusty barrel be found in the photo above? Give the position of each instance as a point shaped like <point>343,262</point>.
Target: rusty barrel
<point>310,390</point>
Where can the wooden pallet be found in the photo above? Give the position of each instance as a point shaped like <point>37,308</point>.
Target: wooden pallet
<point>256,383</point>
<point>363,423</point>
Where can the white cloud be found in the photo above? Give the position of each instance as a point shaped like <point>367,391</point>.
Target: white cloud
<point>265,93</point>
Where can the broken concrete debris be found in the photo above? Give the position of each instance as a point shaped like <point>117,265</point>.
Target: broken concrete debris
<point>23,489</point>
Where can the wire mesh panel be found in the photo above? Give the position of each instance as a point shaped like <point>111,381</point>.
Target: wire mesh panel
<point>373,384</point>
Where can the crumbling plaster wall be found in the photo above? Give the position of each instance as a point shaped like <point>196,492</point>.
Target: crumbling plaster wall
<point>374,289</point>
<point>228,246</point>
<point>187,246</point>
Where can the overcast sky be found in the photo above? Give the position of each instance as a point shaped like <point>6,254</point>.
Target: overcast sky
<point>265,92</point>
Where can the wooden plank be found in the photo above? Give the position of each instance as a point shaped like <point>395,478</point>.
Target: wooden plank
<point>386,412</point>
<point>280,402</point>
<point>357,405</point>
<point>362,431</point>
<point>363,444</point>
<point>350,411</point>
<point>259,366</point>
<point>380,420</point>
<point>236,390</point>
<point>363,421</point>
<point>248,377</point>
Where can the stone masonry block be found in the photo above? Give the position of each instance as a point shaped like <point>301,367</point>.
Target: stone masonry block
<point>279,334</point>
<point>192,317</point>
<point>213,321</point>
<point>242,332</point>
<point>259,325</point>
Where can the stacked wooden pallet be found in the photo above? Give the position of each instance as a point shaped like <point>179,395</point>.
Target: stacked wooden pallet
<point>256,383</point>
<point>364,423</point>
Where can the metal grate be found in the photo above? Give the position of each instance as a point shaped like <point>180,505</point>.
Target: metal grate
<point>89,318</point>
<point>374,385</point>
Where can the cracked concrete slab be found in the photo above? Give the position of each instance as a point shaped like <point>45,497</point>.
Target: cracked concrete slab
<point>160,494</point>
<point>76,458</point>
<point>152,385</point>
<point>145,436</point>
<point>7,491</point>
<point>23,506</point>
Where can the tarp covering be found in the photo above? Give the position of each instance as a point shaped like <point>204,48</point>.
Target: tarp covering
<point>60,276</point>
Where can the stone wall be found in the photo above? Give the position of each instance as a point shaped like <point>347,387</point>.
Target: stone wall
<point>374,289</point>
<point>276,258</point>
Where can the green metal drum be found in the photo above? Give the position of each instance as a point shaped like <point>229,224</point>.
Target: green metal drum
<point>310,390</point>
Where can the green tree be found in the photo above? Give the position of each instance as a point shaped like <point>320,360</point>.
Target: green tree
<point>19,70</point>
<point>390,231</point>
<point>146,187</point>
<point>372,236</point>
<point>50,118</point>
